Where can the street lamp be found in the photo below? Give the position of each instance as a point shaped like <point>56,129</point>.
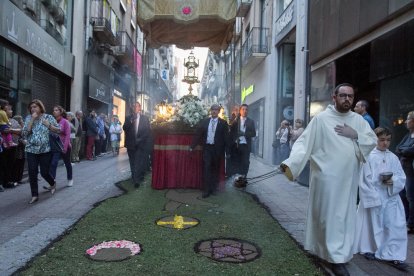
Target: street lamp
<point>191,64</point>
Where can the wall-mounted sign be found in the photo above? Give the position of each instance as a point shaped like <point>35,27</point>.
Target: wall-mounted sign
<point>98,90</point>
<point>117,93</point>
<point>247,91</point>
<point>18,28</point>
<point>286,22</point>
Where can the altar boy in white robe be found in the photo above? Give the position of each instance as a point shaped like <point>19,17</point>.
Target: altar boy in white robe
<point>336,142</point>
<point>380,228</point>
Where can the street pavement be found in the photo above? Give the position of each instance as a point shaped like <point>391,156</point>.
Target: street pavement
<point>26,230</point>
<point>287,202</point>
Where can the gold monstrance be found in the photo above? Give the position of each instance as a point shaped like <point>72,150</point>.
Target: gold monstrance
<point>191,64</point>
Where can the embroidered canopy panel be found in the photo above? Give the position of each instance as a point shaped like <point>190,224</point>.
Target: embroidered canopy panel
<point>187,23</point>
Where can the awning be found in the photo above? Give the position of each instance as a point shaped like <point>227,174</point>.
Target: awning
<point>187,23</point>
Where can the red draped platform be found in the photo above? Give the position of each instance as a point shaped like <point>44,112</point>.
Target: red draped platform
<point>174,166</point>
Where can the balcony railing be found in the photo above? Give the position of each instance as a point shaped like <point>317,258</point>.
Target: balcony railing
<point>125,45</point>
<point>30,5</point>
<point>256,44</point>
<point>243,7</point>
<point>51,29</point>
<point>102,30</point>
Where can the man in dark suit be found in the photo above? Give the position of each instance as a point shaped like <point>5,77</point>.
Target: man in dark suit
<point>242,131</point>
<point>137,134</point>
<point>212,134</point>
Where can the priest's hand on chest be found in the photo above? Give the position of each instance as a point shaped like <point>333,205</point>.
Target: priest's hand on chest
<point>346,131</point>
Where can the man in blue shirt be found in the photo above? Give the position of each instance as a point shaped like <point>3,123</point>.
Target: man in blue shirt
<point>361,108</point>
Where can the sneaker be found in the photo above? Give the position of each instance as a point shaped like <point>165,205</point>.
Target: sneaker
<point>70,183</point>
<point>400,265</point>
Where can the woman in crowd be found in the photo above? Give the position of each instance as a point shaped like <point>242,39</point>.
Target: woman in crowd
<point>60,115</point>
<point>12,160</point>
<point>296,131</point>
<point>71,120</point>
<point>20,154</point>
<point>283,135</point>
<point>36,130</point>
<point>405,152</point>
<point>115,130</point>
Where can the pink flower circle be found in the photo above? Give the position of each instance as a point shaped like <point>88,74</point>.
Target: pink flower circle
<point>186,10</point>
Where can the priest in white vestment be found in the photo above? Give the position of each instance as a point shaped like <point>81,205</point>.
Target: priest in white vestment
<point>380,226</point>
<point>337,142</point>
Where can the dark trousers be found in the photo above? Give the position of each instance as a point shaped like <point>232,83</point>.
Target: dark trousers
<point>138,162</point>
<point>3,168</point>
<point>10,157</point>
<point>33,163</point>
<point>89,147</point>
<point>98,146</point>
<point>211,168</point>
<point>18,170</point>
<point>66,159</point>
<point>407,195</point>
<point>241,159</point>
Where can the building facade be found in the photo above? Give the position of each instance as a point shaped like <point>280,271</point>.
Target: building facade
<point>36,57</point>
<point>368,44</point>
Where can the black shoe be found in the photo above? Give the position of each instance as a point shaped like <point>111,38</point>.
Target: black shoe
<point>369,256</point>
<point>400,265</point>
<point>339,270</point>
<point>136,185</point>
<point>410,230</point>
<point>204,195</point>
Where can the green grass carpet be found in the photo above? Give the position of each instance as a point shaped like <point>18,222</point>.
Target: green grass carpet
<point>166,251</point>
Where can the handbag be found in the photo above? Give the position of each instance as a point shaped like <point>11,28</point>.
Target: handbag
<point>55,142</point>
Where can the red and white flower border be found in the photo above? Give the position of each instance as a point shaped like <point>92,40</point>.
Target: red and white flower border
<point>132,246</point>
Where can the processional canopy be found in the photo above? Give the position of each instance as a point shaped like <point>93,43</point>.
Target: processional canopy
<point>187,23</point>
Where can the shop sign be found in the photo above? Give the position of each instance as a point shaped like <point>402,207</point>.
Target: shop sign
<point>247,91</point>
<point>286,21</point>
<point>98,90</point>
<point>118,93</point>
<point>22,31</point>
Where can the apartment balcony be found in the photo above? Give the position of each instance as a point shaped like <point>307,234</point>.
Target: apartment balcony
<point>102,30</point>
<point>60,16</point>
<point>159,89</point>
<point>124,50</point>
<point>51,30</point>
<point>255,49</point>
<point>163,52</point>
<point>31,6</point>
<point>243,7</point>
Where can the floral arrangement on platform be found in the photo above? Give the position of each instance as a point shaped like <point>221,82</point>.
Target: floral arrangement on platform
<point>125,249</point>
<point>184,116</point>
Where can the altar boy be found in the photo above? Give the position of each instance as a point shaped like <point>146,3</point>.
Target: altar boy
<point>381,231</point>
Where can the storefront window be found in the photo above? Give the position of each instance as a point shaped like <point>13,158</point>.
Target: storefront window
<point>322,85</point>
<point>397,99</point>
<point>25,74</point>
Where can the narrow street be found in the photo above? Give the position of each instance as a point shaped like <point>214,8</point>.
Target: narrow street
<point>27,229</point>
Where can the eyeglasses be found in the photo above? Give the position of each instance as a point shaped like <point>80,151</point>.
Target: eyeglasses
<point>344,95</point>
